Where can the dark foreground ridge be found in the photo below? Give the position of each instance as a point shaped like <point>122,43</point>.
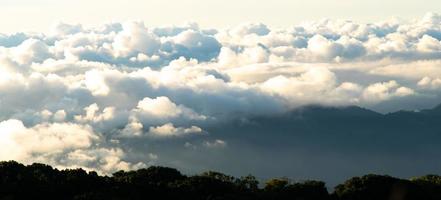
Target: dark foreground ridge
<point>39,181</point>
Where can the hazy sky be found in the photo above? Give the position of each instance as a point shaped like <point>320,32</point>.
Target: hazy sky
<point>39,15</point>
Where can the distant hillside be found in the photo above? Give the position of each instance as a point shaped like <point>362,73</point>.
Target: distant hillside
<point>324,142</point>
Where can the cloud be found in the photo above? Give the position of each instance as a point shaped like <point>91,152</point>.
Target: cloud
<point>247,29</point>
<point>61,144</point>
<point>62,29</point>
<point>133,39</point>
<point>430,83</point>
<point>315,82</point>
<point>96,83</point>
<point>410,70</point>
<point>163,107</point>
<point>383,91</point>
<point>91,114</point>
<point>215,144</point>
<point>323,48</point>
<point>21,142</point>
<point>117,84</point>
<point>59,116</point>
<point>31,50</point>
<point>193,44</point>
<point>109,160</point>
<point>133,129</point>
<point>429,44</point>
<point>168,130</point>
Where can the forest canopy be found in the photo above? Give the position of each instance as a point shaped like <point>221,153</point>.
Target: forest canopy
<point>40,181</point>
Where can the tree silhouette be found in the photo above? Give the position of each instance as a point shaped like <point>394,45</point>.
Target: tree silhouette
<point>39,181</point>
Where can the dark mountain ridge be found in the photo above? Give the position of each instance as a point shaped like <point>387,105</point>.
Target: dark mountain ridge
<point>328,143</point>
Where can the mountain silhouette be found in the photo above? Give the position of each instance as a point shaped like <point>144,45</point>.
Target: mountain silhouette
<point>312,142</point>
<point>317,141</point>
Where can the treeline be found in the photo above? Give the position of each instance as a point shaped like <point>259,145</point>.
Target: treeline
<point>39,181</point>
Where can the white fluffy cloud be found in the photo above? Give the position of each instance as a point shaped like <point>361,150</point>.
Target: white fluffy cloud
<point>162,107</point>
<point>169,129</point>
<point>126,80</point>
<point>91,114</point>
<point>133,39</point>
<point>60,144</point>
<point>159,107</point>
<point>19,142</point>
<point>430,83</point>
<point>384,91</point>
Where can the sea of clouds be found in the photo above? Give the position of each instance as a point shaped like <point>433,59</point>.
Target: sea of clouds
<point>69,97</point>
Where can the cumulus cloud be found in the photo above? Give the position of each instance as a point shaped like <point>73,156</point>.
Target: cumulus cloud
<point>430,83</point>
<point>135,38</point>
<point>61,144</point>
<point>169,129</point>
<point>384,91</point>
<point>90,92</point>
<point>91,114</point>
<point>163,107</point>
<point>133,129</point>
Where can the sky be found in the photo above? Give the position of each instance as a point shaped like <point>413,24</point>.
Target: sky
<point>38,15</point>
<point>197,85</point>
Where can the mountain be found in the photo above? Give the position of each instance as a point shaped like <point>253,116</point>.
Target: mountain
<point>331,143</point>
<point>317,124</point>
<point>434,111</point>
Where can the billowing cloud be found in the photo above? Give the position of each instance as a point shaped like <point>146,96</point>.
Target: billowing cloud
<point>60,144</point>
<point>169,129</point>
<point>430,83</point>
<point>85,97</point>
<point>384,91</point>
<point>161,107</point>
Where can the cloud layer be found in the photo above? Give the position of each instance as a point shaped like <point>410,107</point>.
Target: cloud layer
<point>80,96</point>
